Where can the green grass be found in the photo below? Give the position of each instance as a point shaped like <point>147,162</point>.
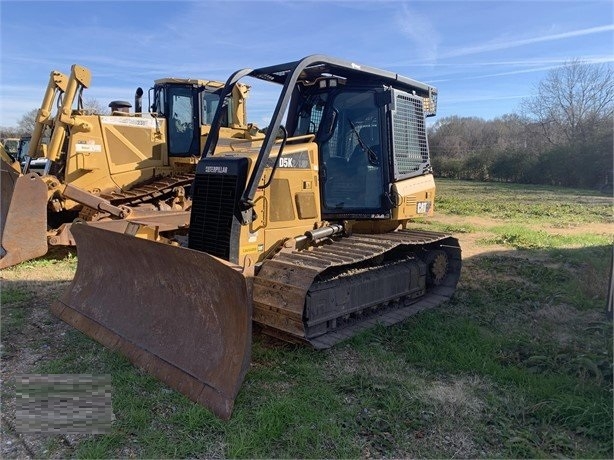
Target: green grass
<point>521,237</point>
<point>517,365</point>
<point>445,228</point>
<point>15,311</point>
<point>14,295</point>
<point>523,203</point>
<point>13,320</point>
<point>558,387</point>
<point>57,256</point>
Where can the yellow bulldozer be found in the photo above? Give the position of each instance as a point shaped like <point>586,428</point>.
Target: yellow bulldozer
<point>116,171</point>
<point>306,232</point>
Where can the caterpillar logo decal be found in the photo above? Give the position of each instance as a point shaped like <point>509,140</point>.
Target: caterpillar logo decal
<point>216,169</point>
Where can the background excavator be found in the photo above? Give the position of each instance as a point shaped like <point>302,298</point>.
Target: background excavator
<point>117,170</point>
<point>306,232</point>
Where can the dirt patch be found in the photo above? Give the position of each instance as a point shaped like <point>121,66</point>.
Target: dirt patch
<point>454,409</point>
<point>342,361</point>
<point>457,398</point>
<point>458,443</point>
<point>594,228</point>
<point>472,243</point>
<point>569,323</point>
<point>35,339</point>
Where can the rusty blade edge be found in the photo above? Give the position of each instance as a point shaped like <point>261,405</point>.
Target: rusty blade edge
<point>194,389</point>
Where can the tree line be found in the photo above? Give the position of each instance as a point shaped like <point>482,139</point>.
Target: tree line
<point>562,135</point>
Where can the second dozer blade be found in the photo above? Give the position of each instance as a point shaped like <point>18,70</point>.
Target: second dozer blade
<point>181,315</point>
<point>23,216</point>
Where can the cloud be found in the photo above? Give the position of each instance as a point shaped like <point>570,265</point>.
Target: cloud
<point>539,62</point>
<point>507,44</point>
<point>540,69</point>
<point>528,66</point>
<point>420,30</point>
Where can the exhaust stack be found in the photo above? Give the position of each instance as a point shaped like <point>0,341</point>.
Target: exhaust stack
<point>138,101</point>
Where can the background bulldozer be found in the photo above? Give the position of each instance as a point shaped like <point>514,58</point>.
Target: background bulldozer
<point>306,232</point>
<point>118,171</point>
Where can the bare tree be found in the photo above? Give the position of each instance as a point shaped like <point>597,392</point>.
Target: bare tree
<point>27,121</point>
<point>96,107</point>
<point>9,131</point>
<point>457,137</point>
<point>573,103</point>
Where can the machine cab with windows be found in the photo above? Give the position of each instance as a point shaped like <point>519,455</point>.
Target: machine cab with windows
<point>369,136</point>
<point>189,105</point>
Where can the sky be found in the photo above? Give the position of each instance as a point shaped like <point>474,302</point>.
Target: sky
<point>484,57</point>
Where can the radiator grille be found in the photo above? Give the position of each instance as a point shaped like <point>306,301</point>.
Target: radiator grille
<point>410,148</point>
<point>214,198</point>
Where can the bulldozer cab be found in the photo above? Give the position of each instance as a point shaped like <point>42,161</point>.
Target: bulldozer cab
<point>189,106</point>
<point>351,137</point>
<point>179,103</point>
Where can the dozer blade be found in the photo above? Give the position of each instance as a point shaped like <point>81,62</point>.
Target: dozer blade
<point>179,314</point>
<point>23,216</point>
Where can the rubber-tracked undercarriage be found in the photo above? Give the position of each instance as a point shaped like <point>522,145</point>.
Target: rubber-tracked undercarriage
<point>313,222</point>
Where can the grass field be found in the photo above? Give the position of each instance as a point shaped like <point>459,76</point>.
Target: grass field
<point>517,365</point>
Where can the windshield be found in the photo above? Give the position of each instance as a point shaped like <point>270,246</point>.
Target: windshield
<point>210,101</point>
<point>351,163</point>
<point>24,146</point>
<point>180,120</point>
<point>209,104</point>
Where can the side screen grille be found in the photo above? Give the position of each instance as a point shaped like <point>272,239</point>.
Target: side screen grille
<point>409,144</point>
